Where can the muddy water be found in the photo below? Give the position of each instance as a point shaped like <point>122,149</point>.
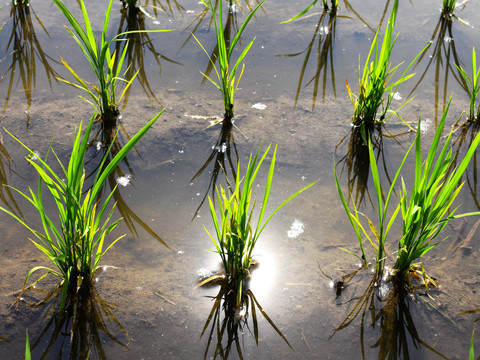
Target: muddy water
<point>153,287</point>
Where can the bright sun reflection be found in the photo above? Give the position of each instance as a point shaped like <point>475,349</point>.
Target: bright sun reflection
<point>264,274</point>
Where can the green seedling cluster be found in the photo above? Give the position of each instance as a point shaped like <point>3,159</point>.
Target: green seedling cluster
<point>76,245</point>
<point>226,72</point>
<point>448,6</point>
<point>425,213</point>
<point>107,66</point>
<point>473,84</point>
<point>371,107</point>
<point>235,234</point>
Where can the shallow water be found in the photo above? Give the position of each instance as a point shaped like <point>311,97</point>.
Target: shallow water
<point>153,287</point>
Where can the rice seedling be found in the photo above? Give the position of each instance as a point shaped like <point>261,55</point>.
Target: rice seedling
<point>28,355</point>
<point>77,245</point>
<point>226,73</point>
<point>473,86</point>
<point>448,6</point>
<point>235,235</point>
<point>471,353</point>
<point>370,106</point>
<point>103,96</point>
<point>429,208</point>
<point>424,214</point>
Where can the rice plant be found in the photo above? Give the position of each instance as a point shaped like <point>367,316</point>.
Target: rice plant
<point>429,208</point>
<point>471,353</point>
<point>226,73</point>
<point>370,105</point>
<point>75,241</point>
<point>235,235</point>
<point>473,86</point>
<point>424,214</point>
<point>448,6</point>
<point>103,95</point>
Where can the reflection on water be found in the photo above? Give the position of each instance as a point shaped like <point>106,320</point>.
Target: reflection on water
<point>324,37</point>
<point>79,330</point>
<point>356,163</point>
<point>442,54</point>
<point>224,160</point>
<point>26,52</point>
<point>133,19</point>
<point>228,324</point>
<point>107,145</point>
<point>385,309</point>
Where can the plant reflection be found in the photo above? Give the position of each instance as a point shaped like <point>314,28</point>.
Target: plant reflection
<point>322,41</point>
<point>388,308</point>
<point>443,56</point>
<point>24,49</point>
<point>79,330</point>
<point>224,160</point>
<point>228,325</point>
<point>168,6</point>
<point>356,162</point>
<point>133,20</point>
<point>468,131</point>
<point>6,196</point>
<point>196,24</point>
<point>106,137</point>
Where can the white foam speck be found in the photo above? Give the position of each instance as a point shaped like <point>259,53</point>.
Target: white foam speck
<point>259,106</point>
<point>296,229</point>
<point>124,180</point>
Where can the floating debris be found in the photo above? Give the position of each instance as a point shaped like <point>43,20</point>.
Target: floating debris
<point>124,180</point>
<point>296,229</point>
<point>259,106</point>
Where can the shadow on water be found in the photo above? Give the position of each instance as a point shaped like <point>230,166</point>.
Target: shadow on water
<point>442,55</point>
<point>224,160</point>
<point>25,51</point>
<point>133,19</point>
<point>228,325</point>
<point>80,330</point>
<point>384,308</point>
<point>322,45</point>
<point>107,137</point>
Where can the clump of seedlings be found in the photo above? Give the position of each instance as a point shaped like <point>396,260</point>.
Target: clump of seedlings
<point>425,213</point>
<point>226,74</point>
<point>75,242</point>
<point>448,6</point>
<point>473,86</point>
<point>107,66</point>
<point>235,235</point>
<point>371,108</point>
